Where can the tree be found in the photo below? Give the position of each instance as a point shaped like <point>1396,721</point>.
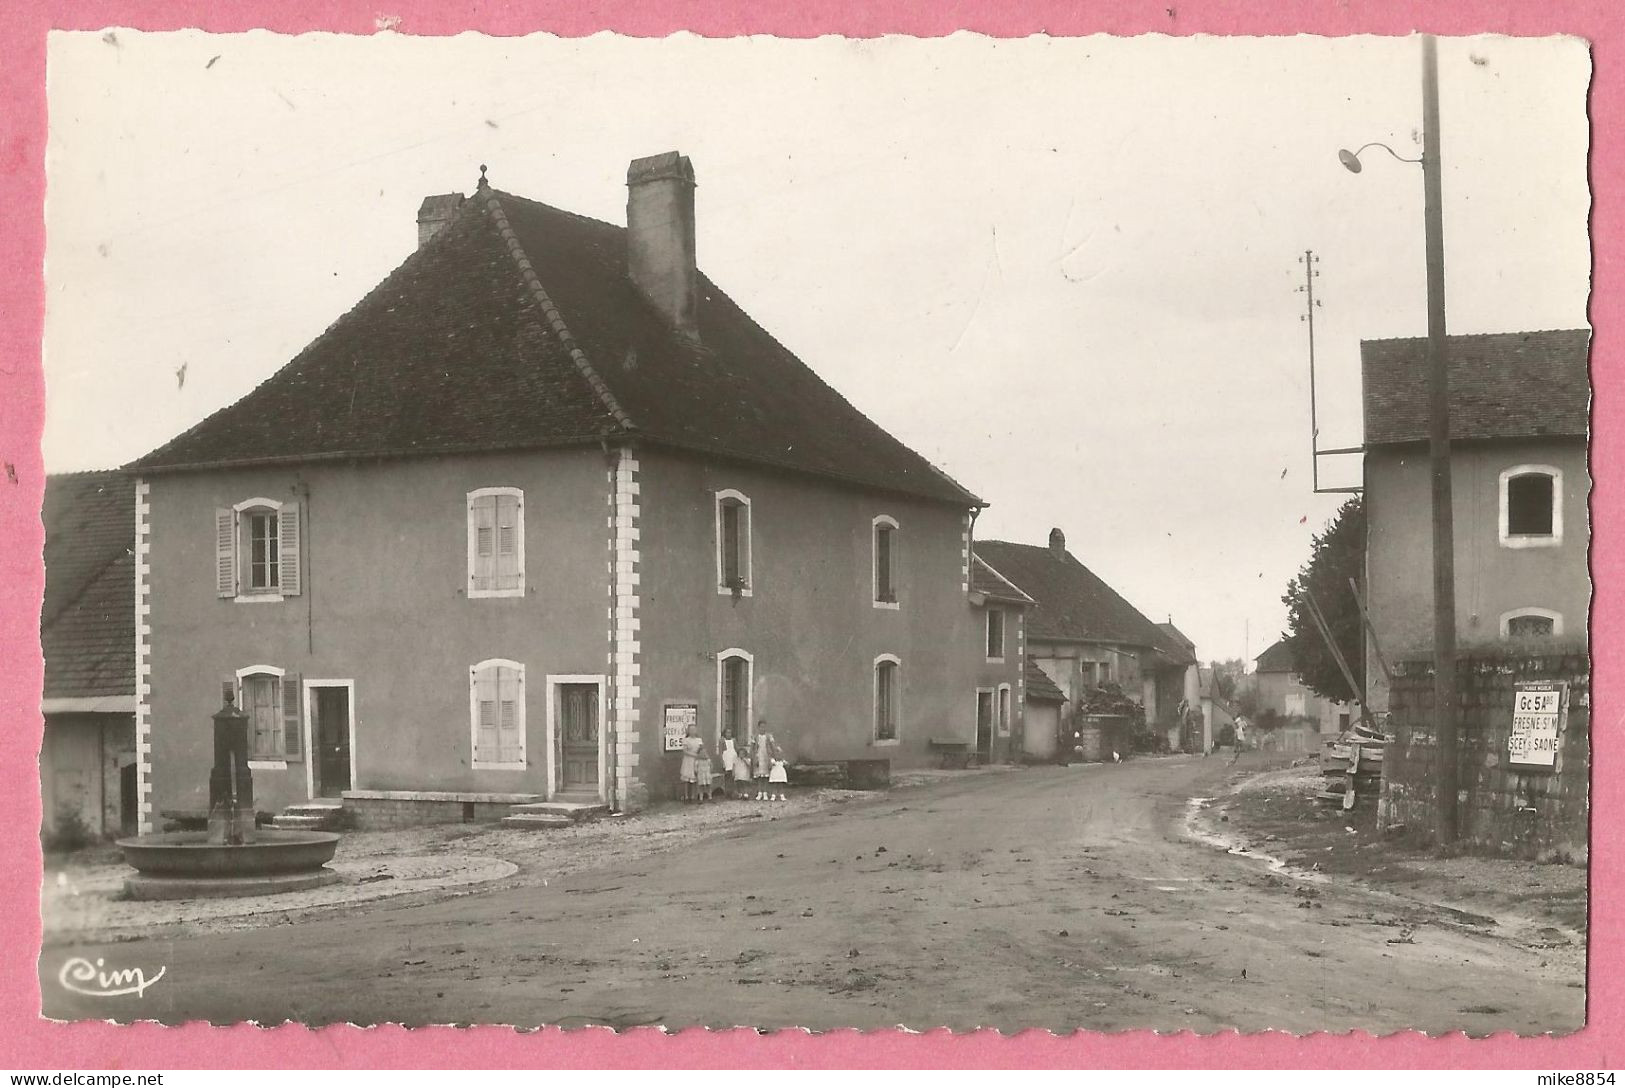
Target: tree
<point>1228,675</point>
<point>1337,555</point>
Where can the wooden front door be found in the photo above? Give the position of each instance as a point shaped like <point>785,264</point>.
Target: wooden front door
<point>984,726</point>
<point>578,737</point>
<point>331,733</point>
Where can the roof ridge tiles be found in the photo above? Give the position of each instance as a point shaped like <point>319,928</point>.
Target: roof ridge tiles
<point>551,311</point>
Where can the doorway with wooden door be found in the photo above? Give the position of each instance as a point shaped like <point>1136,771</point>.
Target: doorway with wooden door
<point>579,743</point>
<point>330,726</point>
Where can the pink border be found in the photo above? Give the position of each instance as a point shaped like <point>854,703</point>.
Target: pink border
<point>31,1042</point>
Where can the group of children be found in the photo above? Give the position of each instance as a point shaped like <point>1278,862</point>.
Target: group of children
<point>759,758</point>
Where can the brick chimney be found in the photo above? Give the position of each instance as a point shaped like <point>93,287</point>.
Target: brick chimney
<point>1057,543</point>
<point>434,213</point>
<point>660,237</point>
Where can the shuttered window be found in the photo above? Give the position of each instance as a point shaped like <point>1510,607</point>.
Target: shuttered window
<point>497,707</point>
<point>886,696</point>
<point>733,543</point>
<point>885,559</point>
<point>274,707</point>
<point>496,542</point>
<point>256,550</point>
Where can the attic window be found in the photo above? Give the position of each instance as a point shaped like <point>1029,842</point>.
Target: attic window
<point>1531,506</point>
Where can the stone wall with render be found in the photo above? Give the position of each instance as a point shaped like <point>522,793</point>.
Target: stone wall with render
<point>382,810</point>
<point>1518,811</point>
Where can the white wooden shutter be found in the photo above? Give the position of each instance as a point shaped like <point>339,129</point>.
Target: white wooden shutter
<point>510,691</point>
<point>288,549</point>
<point>292,705</point>
<point>506,566</point>
<point>487,737</point>
<point>225,552</point>
<point>482,553</point>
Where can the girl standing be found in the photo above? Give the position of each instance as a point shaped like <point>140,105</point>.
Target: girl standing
<point>732,757</point>
<point>702,773</point>
<point>778,779</point>
<point>767,750</point>
<point>741,770</point>
<point>688,772</point>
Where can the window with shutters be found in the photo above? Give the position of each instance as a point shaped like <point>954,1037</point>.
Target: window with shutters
<point>1004,710</point>
<point>271,698</point>
<point>1531,506</point>
<point>884,546</point>
<point>496,706</point>
<point>256,550</point>
<point>887,697</point>
<point>733,543</point>
<point>496,542</point>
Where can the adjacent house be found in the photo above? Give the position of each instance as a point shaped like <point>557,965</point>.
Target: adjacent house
<point>1519,408</point>
<point>1082,633</point>
<point>1217,711</point>
<point>1001,681</point>
<point>88,760</point>
<point>541,499</point>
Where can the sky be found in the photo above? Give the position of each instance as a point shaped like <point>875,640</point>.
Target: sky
<point>1065,270</point>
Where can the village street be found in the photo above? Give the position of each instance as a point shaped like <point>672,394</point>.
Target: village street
<point>1048,897</point>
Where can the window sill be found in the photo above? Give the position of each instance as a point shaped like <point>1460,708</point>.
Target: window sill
<point>474,594</point>
<point>267,764</point>
<point>521,766</point>
<point>258,598</point>
<point>995,661</point>
<point>1531,541</point>
<point>892,743</point>
<point>727,591</point>
<point>890,606</point>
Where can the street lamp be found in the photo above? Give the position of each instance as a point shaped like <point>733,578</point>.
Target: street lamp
<point>1444,546</point>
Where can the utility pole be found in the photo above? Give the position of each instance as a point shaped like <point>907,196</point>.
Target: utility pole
<point>1309,273</point>
<point>1444,544</point>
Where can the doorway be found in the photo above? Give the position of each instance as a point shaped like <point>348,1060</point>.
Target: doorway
<point>578,738</point>
<point>329,705</point>
<point>984,726</point>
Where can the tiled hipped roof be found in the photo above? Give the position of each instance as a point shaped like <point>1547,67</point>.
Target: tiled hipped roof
<point>1073,604</point>
<point>87,625</point>
<point>1502,385</point>
<point>516,327</point>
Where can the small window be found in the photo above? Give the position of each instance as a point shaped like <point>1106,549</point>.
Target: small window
<point>256,552</point>
<point>733,543</point>
<point>885,558</point>
<point>1531,506</point>
<point>496,542</point>
<point>995,634</point>
<point>886,698</point>
<point>270,698</point>
<point>1531,623</point>
<point>496,697</point>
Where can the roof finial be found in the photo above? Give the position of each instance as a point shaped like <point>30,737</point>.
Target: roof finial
<point>483,183</point>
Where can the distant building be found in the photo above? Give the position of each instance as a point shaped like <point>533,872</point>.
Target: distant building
<point>1083,633</point>
<point>1299,710</point>
<point>1519,413</point>
<point>1217,711</point>
<point>88,761</point>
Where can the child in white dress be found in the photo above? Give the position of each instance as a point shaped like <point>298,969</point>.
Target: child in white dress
<point>778,779</point>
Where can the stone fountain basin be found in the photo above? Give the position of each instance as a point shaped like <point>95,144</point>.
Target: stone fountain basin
<point>190,854</point>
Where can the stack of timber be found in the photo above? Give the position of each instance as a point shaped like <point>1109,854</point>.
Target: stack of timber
<point>1352,766</point>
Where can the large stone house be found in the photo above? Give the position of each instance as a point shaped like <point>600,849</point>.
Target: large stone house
<point>88,759</point>
<point>1519,408</point>
<point>541,498</point>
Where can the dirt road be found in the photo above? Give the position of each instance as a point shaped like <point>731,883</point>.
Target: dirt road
<point>1053,897</point>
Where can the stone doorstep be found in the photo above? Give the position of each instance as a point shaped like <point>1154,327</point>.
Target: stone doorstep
<point>301,822</point>
<point>574,811</point>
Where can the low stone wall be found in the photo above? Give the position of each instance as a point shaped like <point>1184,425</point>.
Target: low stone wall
<point>377,810</point>
<point>1513,810</point>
